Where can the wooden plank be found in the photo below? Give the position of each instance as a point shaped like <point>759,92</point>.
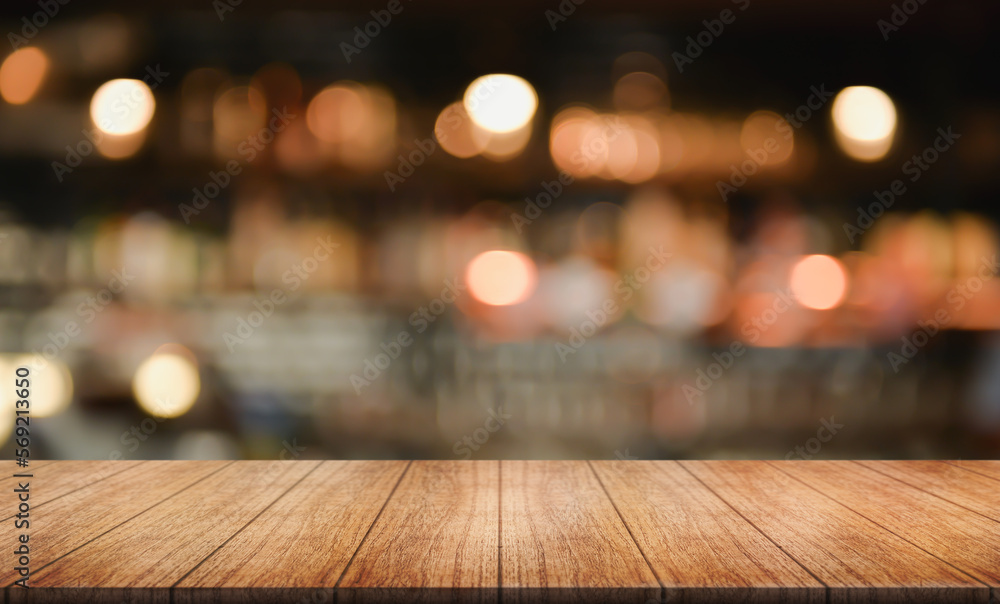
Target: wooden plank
<point>434,541</point>
<point>563,541</point>
<point>701,550</point>
<point>962,538</point>
<point>990,468</point>
<point>967,489</point>
<point>299,549</point>
<point>54,480</point>
<point>139,560</point>
<point>858,560</point>
<point>71,521</point>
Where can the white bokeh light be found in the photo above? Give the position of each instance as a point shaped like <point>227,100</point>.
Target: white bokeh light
<point>122,107</point>
<point>500,103</point>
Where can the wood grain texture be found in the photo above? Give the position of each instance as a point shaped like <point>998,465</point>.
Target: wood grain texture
<point>309,532</point>
<point>52,480</point>
<point>857,559</point>
<point>952,483</point>
<point>562,538</point>
<point>139,560</point>
<point>989,468</point>
<point>94,509</point>
<point>298,552</point>
<point>969,542</point>
<point>434,541</point>
<point>701,550</point>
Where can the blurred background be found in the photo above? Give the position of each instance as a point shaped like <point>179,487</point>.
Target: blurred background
<point>552,229</point>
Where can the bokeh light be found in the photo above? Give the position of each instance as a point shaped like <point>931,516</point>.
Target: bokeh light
<point>864,119</point>
<point>50,384</point>
<point>500,103</point>
<point>455,132</point>
<point>768,131</point>
<point>22,74</point>
<point>122,106</point>
<point>819,282</point>
<point>501,278</point>
<point>166,384</point>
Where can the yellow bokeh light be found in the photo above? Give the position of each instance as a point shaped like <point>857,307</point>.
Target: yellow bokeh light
<point>501,278</point>
<point>500,103</point>
<point>819,282</point>
<point>50,385</point>
<point>22,74</point>
<point>122,106</point>
<point>864,120</point>
<point>166,385</point>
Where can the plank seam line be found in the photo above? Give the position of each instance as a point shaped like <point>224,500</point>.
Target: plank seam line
<point>913,486</point>
<point>129,519</point>
<point>845,506</point>
<point>242,528</point>
<point>757,528</point>
<point>343,573</point>
<point>970,470</point>
<point>663,588</point>
<point>499,532</point>
<point>89,484</point>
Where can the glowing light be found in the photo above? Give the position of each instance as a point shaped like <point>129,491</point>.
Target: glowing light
<point>501,278</point>
<point>122,106</point>
<point>166,385</point>
<point>51,383</point>
<point>454,131</point>
<point>22,74</point>
<point>639,91</point>
<point>355,122</point>
<point>864,119</point>
<point>768,131</point>
<point>819,282</point>
<point>501,146</point>
<point>500,102</point>
<point>335,113</point>
<point>121,147</point>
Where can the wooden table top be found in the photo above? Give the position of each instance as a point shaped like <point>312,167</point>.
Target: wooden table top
<point>642,532</point>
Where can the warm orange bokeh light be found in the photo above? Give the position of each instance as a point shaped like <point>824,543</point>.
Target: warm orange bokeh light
<point>819,282</point>
<point>501,278</point>
<point>21,75</point>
